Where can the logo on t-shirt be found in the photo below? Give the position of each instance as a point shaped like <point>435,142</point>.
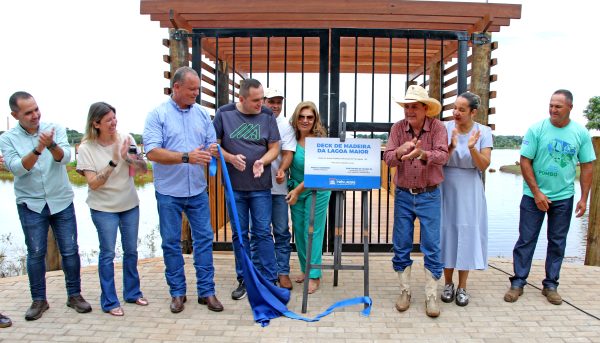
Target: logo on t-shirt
<point>562,152</point>
<point>246,131</point>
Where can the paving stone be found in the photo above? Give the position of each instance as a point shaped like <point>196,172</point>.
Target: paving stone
<point>486,319</point>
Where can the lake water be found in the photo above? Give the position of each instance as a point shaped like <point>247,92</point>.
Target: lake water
<point>503,192</point>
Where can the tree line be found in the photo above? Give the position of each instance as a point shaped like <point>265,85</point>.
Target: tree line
<point>500,142</point>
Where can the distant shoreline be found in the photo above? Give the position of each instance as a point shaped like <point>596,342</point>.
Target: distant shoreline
<point>79,180</point>
<point>516,170</point>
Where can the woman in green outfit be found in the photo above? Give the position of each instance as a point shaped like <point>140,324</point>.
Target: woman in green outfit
<point>306,123</point>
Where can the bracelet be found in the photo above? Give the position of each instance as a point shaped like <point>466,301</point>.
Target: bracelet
<point>35,152</point>
<point>112,164</point>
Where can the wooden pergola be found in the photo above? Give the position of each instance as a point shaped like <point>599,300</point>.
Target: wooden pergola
<point>317,14</point>
<point>444,46</point>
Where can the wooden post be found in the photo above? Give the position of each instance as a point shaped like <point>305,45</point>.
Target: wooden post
<point>178,49</point>
<point>52,253</point>
<point>435,86</point>
<point>480,77</point>
<point>178,57</point>
<point>592,253</point>
<point>222,84</point>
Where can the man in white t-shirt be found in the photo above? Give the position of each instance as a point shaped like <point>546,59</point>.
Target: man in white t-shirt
<point>279,217</point>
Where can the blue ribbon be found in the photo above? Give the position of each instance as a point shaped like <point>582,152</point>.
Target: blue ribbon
<point>267,300</point>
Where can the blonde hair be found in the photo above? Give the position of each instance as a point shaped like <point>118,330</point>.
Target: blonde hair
<point>97,111</point>
<point>318,130</point>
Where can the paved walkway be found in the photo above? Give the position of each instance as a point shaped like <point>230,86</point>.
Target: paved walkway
<point>486,319</point>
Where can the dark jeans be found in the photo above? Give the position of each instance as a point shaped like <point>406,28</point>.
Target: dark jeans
<point>35,229</point>
<point>255,206</point>
<point>530,224</point>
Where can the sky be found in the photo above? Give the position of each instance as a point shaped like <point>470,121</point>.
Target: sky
<point>71,53</point>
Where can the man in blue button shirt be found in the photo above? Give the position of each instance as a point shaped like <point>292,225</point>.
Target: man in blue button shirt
<point>36,153</point>
<point>177,136</point>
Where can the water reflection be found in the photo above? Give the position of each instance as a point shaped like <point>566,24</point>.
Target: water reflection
<point>503,196</point>
<point>503,192</point>
<point>12,240</point>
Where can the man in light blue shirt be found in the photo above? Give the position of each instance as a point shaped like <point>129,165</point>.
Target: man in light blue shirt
<point>177,136</point>
<point>36,153</point>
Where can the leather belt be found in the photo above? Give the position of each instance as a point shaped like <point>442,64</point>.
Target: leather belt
<point>415,191</point>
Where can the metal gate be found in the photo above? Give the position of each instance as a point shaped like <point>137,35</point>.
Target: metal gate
<point>369,68</point>
<point>366,68</point>
<point>295,61</point>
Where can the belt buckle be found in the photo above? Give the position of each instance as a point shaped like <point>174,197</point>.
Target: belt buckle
<point>410,190</point>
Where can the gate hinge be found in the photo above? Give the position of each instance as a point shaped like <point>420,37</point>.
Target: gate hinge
<point>480,38</point>
<point>179,35</point>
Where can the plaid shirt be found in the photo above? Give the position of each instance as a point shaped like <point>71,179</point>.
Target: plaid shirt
<point>418,173</point>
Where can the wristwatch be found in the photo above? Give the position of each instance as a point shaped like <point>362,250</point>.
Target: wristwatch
<point>52,146</point>
<point>185,158</point>
<point>112,164</point>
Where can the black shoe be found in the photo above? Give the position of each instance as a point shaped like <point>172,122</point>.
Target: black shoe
<point>79,304</point>
<point>240,292</point>
<point>4,321</point>
<point>37,308</point>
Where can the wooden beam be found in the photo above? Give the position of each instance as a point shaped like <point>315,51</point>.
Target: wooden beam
<point>592,251</point>
<point>177,22</point>
<point>388,7</point>
<point>327,24</point>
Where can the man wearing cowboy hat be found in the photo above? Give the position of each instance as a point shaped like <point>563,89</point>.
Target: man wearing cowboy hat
<point>418,148</point>
<point>279,215</point>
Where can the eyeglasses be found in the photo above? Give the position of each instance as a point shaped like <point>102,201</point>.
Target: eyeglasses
<point>307,118</point>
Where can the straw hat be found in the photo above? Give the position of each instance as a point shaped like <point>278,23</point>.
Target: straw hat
<point>416,93</point>
<point>273,93</point>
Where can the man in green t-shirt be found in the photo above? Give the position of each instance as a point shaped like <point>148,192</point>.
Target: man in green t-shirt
<point>549,155</point>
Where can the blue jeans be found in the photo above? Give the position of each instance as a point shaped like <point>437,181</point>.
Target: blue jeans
<point>198,213</point>
<point>107,224</point>
<point>35,229</point>
<point>530,224</point>
<point>281,235</point>
<point>257,205</point>
<point>426,207</point>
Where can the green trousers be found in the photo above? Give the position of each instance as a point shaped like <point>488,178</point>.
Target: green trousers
<point>300,223</point>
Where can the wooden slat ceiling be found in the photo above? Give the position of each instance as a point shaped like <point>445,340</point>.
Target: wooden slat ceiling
<point>326,14</point>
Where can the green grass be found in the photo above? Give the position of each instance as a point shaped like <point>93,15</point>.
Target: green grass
<point>79,180</point>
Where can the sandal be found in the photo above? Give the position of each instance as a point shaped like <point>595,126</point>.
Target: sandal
<point>142,302</point>
<point>313,285</point>
<point>117,311</point>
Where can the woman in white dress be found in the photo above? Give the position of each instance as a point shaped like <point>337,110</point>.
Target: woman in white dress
<point>464,223</point>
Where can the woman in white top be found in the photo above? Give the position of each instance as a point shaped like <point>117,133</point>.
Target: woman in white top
<point>109,160</point>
